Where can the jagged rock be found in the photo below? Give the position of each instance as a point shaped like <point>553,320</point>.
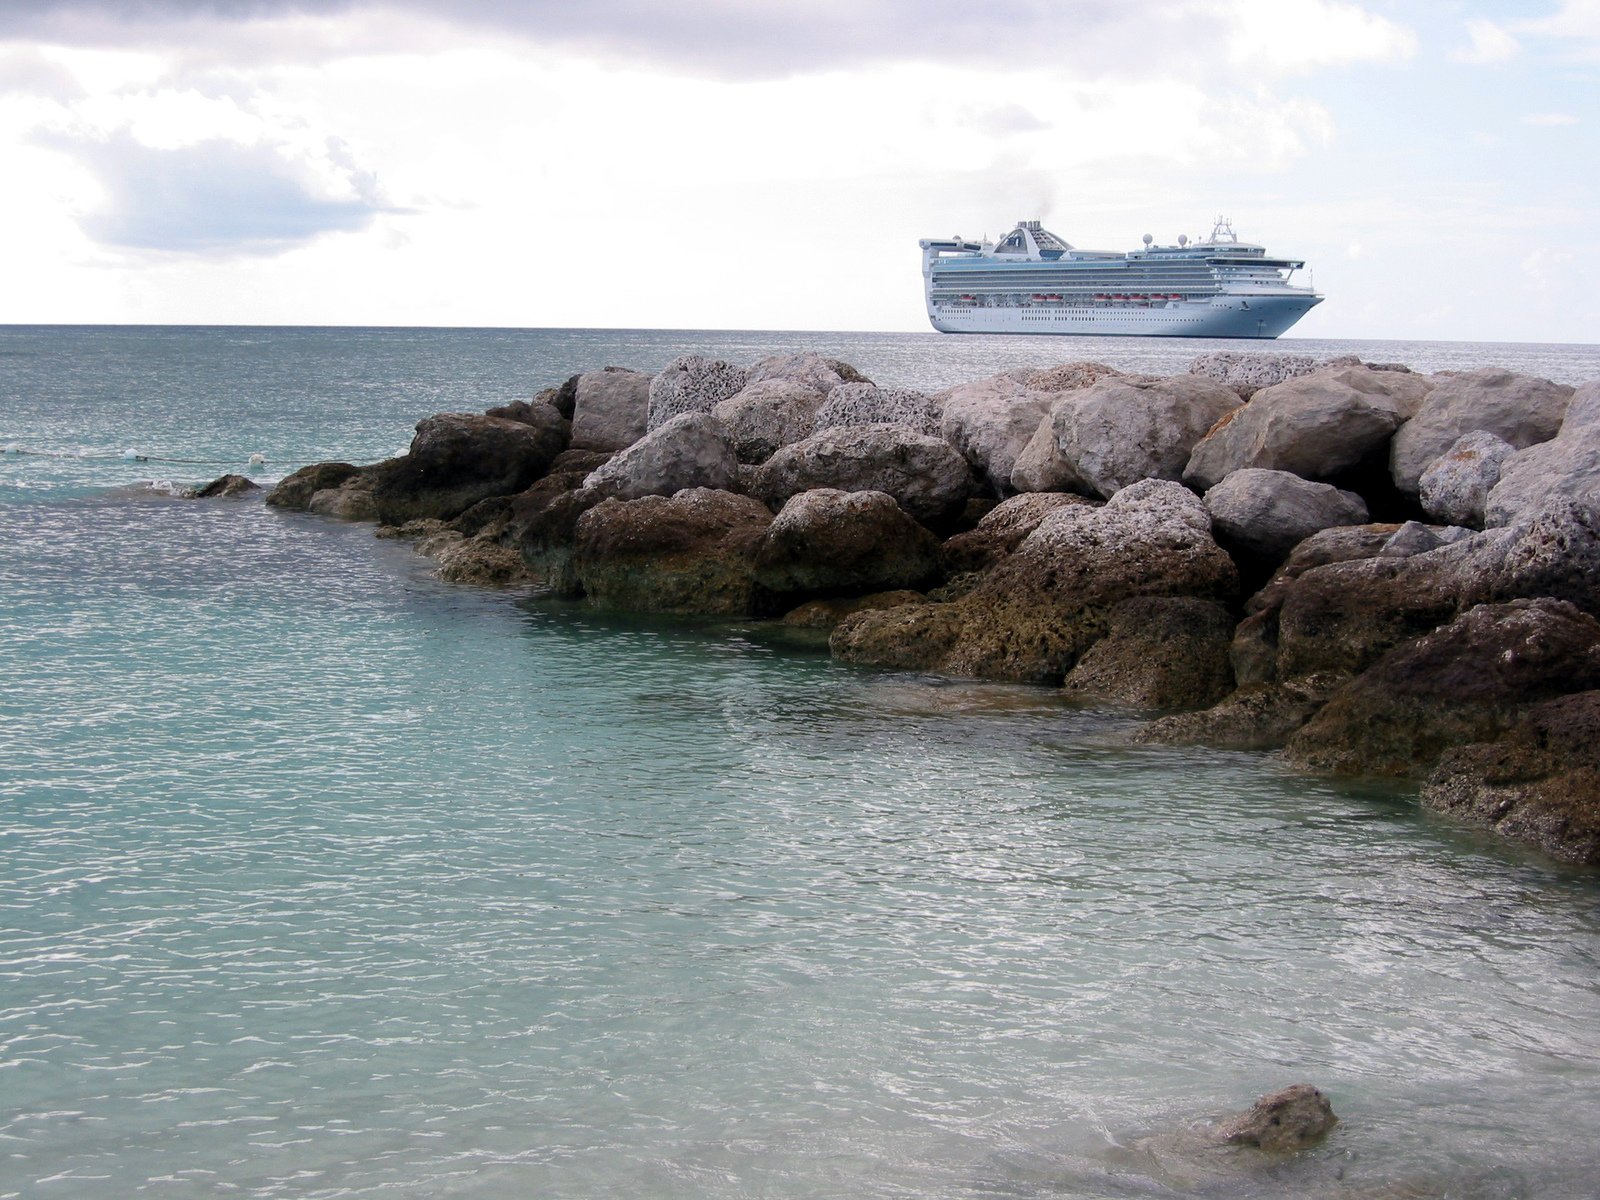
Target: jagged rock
<point>809,370</point>
<point>1032,616</point>
<point>611,409</point>
<point>827,542</point>
<point>767,414</point>
<point>1121,430</point>
<point>1539,783</point>
<point>458,459</point>
<point>691,383</point>
<point>1258,716</point>
<point>1159,652</point>
<point>1519,409</point>
<point>1568,465</point>
<point>478,560</point>
<point>542,526</point>
<point>224,486</point>
<point>1282,1122</point>
<point>1039,466</point>
<point>1456,485</point>
<point>857,404</point>
<point>1266,514</point>
<point>352,500</point>
<point>1318,426</point>
<point>1001,530</point>
<point>827,613</point>
<point>692,450</point>
<point>294,491</point>
<point>1247,373</point>
<point>686,553</point>
<point>1067,377</point>
<point>990,421</point>
<point>926,475</point>
<point>1468,681</point>
<point>563,399</point>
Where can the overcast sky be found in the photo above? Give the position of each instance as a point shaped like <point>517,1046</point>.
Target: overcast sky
<point>760,164</point>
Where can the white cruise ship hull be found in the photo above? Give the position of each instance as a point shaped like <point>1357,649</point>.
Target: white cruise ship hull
<point>1214,317</point>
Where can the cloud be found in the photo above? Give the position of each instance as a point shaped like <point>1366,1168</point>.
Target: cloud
<point>218,198</point>
<point>1575,24</point>
<point>24,71</point>
<point>1490,44</point>
<point>1552,119</point>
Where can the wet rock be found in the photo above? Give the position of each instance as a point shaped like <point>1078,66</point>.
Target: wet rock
<point>1318,426</point>
<point>1122,430</point>
<point>686,553</point>
<point>477,560</point>
<point>926,475</point>
<point>1568,465</point>
<point>1001,530</point>
<point>767,414</point>
<point>294,491</point>
<point>611,409</point>
<point>542,525</point>
<point>458,459</point>
<point>352,500</point>
<point>1248,373</point>
<point>1159,652</point>
<point>1287,1121</point>
<point>1257,716</point>
<point>1519,409</point>
<point>852,405</point>
<point>827,542</point>
<point>1468,681</point>
<point>827,613</point>
<point>1456,486</point>
<point>691,383</point>
<point>990,421</point>
<point>224,486</point>
<point>692,450</point>
<point>1539,783</point>
<point>1266,514</point>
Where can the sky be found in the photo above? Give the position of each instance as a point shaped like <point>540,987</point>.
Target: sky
<point>764,164</point>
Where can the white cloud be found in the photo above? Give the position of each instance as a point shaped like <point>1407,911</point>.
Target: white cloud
<point>1490,44</point>
<point>1279,37</point>
<point>1551,119</point>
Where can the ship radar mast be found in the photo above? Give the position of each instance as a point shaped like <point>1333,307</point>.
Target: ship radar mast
<point>1222,231</point>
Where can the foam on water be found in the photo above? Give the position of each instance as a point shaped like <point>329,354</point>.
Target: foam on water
<point>321,878</point>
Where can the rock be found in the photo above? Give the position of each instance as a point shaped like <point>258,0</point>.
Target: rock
<point>1031,617</point>
<point>224,486</point>
<point>926,475</point>
<point>852,405</point>
<point>1456,485</point>
<point>1039,467</point>
<point>563,399</point>
<point>1318,426</point>
<point>295,491</point>
<point>686,553</point>
<point>1539,783</point>
<point>1568,465</point>
<point>1159,652</point>
<point>691,383</point>
<point>1468,681</point>
<point>611,409</point>
<point>476,560</point>
<point>1519,409</point>
<point>543,524</point>
<point>1122,430</point>
<point>1067,377</point>
<point>828,542</point>
<point>1282,1122</point>
<point>1001,530</point>
<point>352,500</point>
<point>827,613</point>
<point>692,450</point>
<point>1247,373</point>
<point>990,421</point>
<point>767,414</point>
<point>807,369</point>
<point>1258,716</point>
<point>1266,514</point>
<point>458,459</point>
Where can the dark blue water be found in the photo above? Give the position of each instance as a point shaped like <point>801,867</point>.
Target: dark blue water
<point>321,878</point>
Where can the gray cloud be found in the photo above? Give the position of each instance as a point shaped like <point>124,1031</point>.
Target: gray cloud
<point>215,198</point>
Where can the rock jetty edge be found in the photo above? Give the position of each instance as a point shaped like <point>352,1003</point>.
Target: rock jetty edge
<point>1372,571</point>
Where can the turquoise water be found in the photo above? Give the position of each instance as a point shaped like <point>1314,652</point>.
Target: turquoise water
<point>321,878</point>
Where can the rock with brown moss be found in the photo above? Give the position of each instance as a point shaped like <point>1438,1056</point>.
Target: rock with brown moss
<point>294,491</point>
<point>829,542</point>
<point>1159,652</point>
<point>1002,529</point>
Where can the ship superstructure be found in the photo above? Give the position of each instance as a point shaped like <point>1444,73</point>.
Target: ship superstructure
<point>1032,281</point>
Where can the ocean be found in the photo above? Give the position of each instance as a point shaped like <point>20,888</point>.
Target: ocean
<point>322,878</point>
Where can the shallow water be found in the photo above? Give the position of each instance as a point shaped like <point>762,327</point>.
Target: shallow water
<point>321,878</point>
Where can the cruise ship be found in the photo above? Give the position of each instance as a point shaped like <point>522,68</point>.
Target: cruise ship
<point>1032,281</point>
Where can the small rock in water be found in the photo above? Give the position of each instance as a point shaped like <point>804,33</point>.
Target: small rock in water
<point>1282,1122</point>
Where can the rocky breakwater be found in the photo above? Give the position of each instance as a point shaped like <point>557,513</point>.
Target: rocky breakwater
<point>1369,570</point>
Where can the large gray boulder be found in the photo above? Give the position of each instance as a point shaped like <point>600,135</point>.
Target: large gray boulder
<point>990,421</point>
<point>1567,465</point>
<point>610,408</point>
<point>1122,429</point>
<point>926,475</point>
<point>691,383</point>
<point>1267,514</point>
<point>806,368</point>
<point>854,404</point>
<point>1247,372</point>
<point>829,542</point>
<point>1002,529</point>
<point>1455,487</point>
<point>1040,466</point>
<point>768,413</point>
<point>693,450</point>
<point>1520,409</point>
<point>1318,426</point>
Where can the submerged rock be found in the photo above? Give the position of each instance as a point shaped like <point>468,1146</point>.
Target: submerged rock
<point>294,491</point>
<point>1159,652</point>
<point>1287,1121</point>
<point>224,486</point>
